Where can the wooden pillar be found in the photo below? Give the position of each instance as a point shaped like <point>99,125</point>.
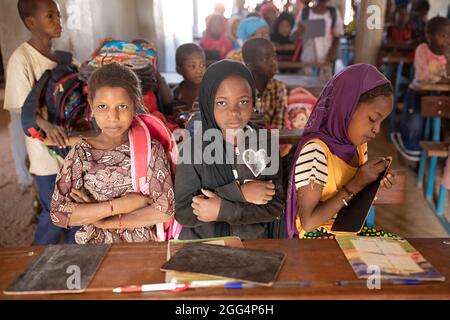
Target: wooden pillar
<point>369,36</point>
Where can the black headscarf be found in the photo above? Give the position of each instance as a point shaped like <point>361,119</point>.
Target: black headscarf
<point>275,36</point>
<point>218,174</point>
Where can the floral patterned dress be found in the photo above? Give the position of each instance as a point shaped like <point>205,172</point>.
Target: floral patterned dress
<point>106,175</point>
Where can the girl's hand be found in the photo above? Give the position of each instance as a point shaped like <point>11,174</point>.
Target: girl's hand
<point>207,206</point>
<point>81,196</point>
<point>388,181</point>
<point>258,192</point>
<point>367,173</point>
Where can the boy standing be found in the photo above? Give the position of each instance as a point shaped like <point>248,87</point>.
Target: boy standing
<point>26,65</point>
<point>271,101</point>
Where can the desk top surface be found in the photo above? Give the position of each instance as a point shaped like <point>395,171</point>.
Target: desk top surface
<point>319,261</point>
<point>291,80</point>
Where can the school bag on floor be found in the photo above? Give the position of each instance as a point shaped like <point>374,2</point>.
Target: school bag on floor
<point>143,129</point>
<point>60,94</point>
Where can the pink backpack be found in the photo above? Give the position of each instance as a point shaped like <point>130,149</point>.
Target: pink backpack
<point>299,99</point>
<point>143,128</point>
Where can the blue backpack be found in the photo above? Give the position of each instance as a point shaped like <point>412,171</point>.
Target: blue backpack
<point>62,94</point>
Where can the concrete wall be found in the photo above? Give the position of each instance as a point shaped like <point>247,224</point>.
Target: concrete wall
<point>86,23</point>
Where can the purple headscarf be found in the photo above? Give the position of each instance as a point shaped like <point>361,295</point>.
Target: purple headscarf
<point>329,121</point>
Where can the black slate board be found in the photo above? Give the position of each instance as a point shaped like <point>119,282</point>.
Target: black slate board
<point>353,217</point>
<point>254,266</point>
<point>50,272</point>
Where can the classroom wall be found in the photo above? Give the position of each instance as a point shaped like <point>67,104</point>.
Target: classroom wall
<point>86,23</point>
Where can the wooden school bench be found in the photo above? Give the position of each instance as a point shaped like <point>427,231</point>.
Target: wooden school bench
<point>434,108</point>
<point>320,261</point>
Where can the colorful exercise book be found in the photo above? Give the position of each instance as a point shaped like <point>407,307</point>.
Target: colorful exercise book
<point>396,258</point>
<point>174,245</point>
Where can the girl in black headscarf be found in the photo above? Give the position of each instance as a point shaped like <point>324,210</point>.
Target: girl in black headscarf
<point>239,191</point>
<point>282,29</point>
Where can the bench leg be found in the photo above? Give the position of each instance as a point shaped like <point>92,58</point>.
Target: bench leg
<point>422,166</point>
<point>371,218</point>
<point>440,209</point>
<point>430,184</point>
<point>427,132</point>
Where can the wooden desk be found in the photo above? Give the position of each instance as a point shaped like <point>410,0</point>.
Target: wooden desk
<point>172,78</point>
<point>319,261</point>
<point>396,59</point>
<point>290,136</point>
<point>435,87</point>
<point>311,83</point>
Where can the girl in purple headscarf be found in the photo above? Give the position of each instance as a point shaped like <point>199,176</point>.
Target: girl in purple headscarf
<point>330,164</point>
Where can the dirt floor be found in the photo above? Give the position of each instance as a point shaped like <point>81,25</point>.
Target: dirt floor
<point>17,217</point>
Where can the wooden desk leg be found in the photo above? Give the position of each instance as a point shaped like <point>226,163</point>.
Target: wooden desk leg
<point>427,132</point>
<point>431,173</point>
<point>437,129</point>
<point>440,209</point>
<point>422,167</point>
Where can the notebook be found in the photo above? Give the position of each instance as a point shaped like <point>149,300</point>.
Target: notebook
<point>60,269</point>
<point>248,265</point>
<point>352,218</point>
<point>396,258</point>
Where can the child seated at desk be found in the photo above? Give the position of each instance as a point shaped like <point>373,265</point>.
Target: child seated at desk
<point>271,97</point>
<point>191,64</point>
<point>214,37</point>
<point>249,28</point>
<point>330,164</point>
<point>401,31</point>
<point>226,196</point>
<point>431,66</point>
<point>280,34</point>
<point>94,187</point>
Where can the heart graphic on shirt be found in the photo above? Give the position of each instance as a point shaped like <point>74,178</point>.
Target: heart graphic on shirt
<point>256,161</point>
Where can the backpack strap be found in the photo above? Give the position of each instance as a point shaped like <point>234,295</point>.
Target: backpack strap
<point>63,58</point>
<point>31,105</point>
<point>143,128</point>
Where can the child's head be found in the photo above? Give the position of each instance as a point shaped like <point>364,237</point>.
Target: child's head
<point>421,8</point>
<point>373,107</point>
<point>401,15</point>
<point>252,28</point>
<point>115,96</point>
<point>41,17</point>
<point>216,25</point>
<point>233,103</point>
<point>227,96</point>
<point>269,12</point>
<point>284,24</point>
<point>219,8</point>
<point>260,57</point>
<point>191,62</point>
<point>438,33</point>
